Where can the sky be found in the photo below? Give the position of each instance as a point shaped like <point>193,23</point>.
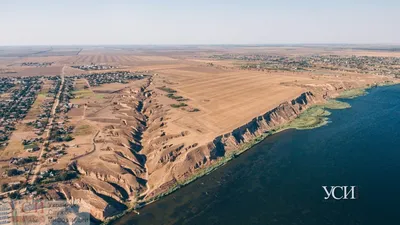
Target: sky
<point>184,22</point>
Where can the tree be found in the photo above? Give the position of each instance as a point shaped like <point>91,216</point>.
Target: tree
<point>14,195</point>
<point>4,188</point>
<point>59,139</point>
<point>66,175</point>
<point>68,138</point>
<point>12,172</point>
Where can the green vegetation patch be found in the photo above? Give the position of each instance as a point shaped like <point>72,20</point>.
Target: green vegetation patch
<point>311,118</point>
<point>61,138</point>
<point>171,94</point>
<point>14,195</point>
<point>58,176</point>
<point>82,93</point>
<point>167,89</point>
<point>178,105</point>
<point>316,116</point>
<point>177,97</point>
<point>353,93</point>
<point>335,104</point>
<point>13,172</point>
<point>194,110</point>
<point>30,159</point>
<point>33,145</point>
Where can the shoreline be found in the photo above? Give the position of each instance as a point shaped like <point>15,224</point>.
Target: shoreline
<point>315,116</point>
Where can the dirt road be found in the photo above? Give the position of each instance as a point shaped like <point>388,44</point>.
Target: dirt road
<point>37,168</point>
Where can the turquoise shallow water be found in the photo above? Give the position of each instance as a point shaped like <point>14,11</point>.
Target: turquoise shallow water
<point>280,180</point>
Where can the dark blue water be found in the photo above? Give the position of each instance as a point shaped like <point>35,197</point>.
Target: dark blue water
<point>279,181</point>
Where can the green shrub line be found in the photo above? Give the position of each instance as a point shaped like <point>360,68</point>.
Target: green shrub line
<point>179,105</point>
<point>167,89</point>
<point>177,97</point>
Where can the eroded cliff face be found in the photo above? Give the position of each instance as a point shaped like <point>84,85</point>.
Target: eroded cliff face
<point>148,153</point>
<point>113,173</point>
<point>171,165</point>
<point>278,116</point>
<point>185,163</point>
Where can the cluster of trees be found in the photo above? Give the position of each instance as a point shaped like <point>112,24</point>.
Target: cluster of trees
<point>59,176</point>
<point>13,172</point>
<point>64,138</point>
<point>30,159</point>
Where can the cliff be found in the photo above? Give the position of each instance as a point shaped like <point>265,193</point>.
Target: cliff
<point>207,156</point>
<point>278,116</point>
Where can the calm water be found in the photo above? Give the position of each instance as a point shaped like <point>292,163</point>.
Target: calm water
<point>279,181</point>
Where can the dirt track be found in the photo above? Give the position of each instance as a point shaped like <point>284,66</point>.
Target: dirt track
<point>36,168</point>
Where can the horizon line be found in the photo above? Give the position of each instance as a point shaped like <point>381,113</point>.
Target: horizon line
<point>230,44</point>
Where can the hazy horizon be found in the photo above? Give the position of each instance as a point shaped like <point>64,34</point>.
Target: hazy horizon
<point>177,22</point>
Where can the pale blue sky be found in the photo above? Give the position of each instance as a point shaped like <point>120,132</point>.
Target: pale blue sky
<point>93,22</point>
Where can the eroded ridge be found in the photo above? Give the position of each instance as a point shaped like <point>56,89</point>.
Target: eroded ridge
<point>113,173</point>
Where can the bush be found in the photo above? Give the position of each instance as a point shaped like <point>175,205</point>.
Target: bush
<point>195,110</point>
<point>14,195</point>
<point>32,158</point>
<point>68,138</point>
<point>12,172</point>
<point>59,139</point>
<point>34,146</point>
<point>27,160</point>
<point>178,105</point>
<point>4,188</point>
<point>66,175</point>
<point>166,89</point>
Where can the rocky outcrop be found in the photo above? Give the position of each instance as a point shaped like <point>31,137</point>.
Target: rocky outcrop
<point>112,174</point>
<point>98,207</point>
